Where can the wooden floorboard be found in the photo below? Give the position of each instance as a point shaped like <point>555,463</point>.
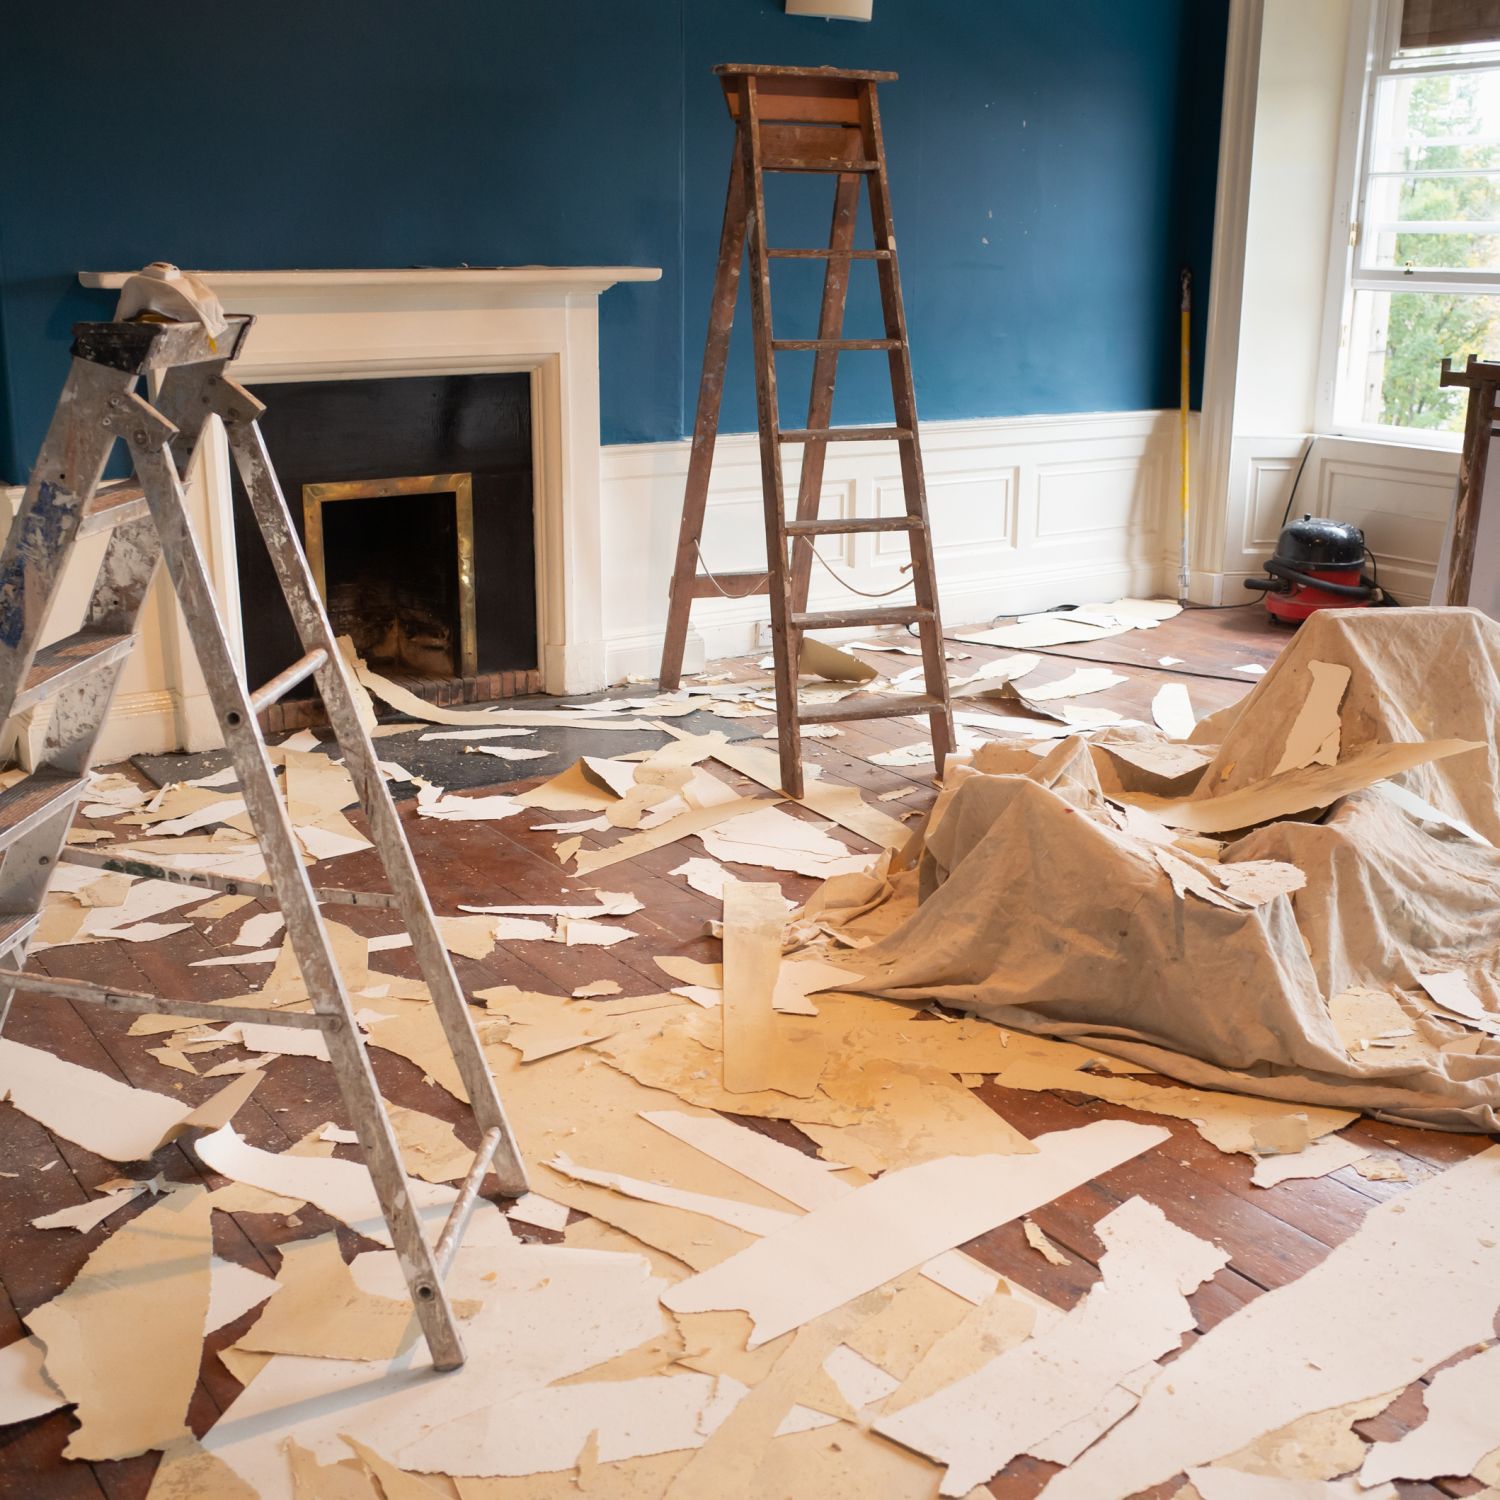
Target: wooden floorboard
<point>1272,1235</point>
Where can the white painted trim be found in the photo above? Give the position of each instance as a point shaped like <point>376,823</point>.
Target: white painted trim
<point>1363,23</point>
<point>1227,287</point>
<point>415,285</point>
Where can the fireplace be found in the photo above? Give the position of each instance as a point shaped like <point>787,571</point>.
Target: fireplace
<point>539,324</point>
<point>414,499</point>
<point>401,581</point>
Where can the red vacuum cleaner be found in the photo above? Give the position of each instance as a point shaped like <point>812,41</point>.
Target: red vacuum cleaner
<point>1319,564</point>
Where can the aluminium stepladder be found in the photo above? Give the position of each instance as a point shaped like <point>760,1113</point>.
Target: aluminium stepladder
<point>148,523</point>
<point>809,120</point>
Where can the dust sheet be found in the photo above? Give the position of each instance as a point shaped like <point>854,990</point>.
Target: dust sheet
<point>1096,946</point>
<point>1416,674</point>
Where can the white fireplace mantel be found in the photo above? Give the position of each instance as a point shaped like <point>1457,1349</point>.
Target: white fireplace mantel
<point>413,285</point>
<point>354,324</point>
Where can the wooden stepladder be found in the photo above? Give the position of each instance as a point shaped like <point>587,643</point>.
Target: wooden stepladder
<point>148,523</point>
<point>809,120</point>
<point>1482,378</point>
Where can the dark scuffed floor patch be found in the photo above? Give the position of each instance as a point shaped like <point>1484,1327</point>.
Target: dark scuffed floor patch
<point>445,763</point>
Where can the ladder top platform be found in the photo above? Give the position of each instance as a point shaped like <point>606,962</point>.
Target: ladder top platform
<point>823,75</point>
<point>157,344</point>
<point>825,96</point>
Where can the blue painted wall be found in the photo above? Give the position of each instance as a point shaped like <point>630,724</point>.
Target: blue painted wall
<point>1052,165</point>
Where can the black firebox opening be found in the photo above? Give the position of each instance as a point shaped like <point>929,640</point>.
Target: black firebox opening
<point>330,430</point>
<point>391,564</point>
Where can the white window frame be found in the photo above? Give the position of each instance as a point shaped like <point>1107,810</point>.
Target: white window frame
<point>1374,38</point>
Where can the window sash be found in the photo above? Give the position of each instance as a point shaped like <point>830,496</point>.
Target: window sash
<point>1375,65</point>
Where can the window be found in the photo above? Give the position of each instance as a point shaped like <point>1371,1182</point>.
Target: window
<point>1421,274</point>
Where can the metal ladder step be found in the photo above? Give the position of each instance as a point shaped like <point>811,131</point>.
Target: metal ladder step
<point>67,661</point>
<point>854,524</point>
<point>113,505</point>
<point>120,861</point>
<point>35,799</point>
<point>15,930</point>
<point>845,434</point>
<point>886,614</point>
<point>886,707</point>
<point>136,1002</point>
<point>284,681</point>
<point>785,344</point>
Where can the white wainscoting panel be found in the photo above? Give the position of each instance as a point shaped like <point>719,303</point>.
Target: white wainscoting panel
<point>1400,495</point>
<point>1027,512</point>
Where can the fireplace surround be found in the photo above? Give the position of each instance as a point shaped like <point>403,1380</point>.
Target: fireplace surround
<point>341,325</point>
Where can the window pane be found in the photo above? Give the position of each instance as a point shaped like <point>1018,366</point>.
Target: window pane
<point>1397,341</point>
<point>1436,163</point>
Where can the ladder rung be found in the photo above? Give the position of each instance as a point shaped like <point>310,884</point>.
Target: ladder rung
<point>283,682</point>
<point>33,801</point>
<point>831,254</point>
<point>16,930</point>
<point>738,585</point>
<point>113,506</point>
<point>780,344</point>
<point>463,1205</point>
<point>66,661</point>
<point>159,1005</point>
<point>889,706</point>
<point>815,164</point>
<point>119,862</point>
<point>884,614</point>
<point>860,523</point>
<point>845,434</point>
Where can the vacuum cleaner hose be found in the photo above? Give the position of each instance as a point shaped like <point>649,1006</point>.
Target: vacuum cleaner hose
<point>1364,589</point>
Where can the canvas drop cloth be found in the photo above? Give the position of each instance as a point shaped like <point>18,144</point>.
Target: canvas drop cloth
<point>1042,912</point>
